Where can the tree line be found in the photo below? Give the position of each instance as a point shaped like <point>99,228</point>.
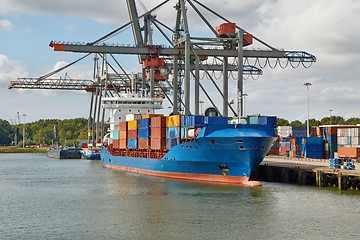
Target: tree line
<point>44,132</point>
<point>70,131</point>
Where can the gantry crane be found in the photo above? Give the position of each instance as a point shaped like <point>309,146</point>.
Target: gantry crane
<point>184,58</point>
<point>187,53</point>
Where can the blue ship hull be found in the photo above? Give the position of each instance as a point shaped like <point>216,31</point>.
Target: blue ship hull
<point>220,153</point>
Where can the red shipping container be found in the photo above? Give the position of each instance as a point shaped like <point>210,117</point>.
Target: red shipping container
<point>158,144</point>
<point>247,39</point>
<point>153,63</point>
<point>157,132</point>
<point>123,126</point>
<point>115,143</point>
<point>158,122</point>
<point>84,145</point>
<point>144,143</point>
<point>132,134</point>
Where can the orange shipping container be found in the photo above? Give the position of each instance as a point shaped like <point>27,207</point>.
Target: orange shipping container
<point>153,63</point>
<point>158,122</point>
<point>157,132</point>
<point>158,144</point>
<point>123,126</point>
<point>123,134</point>
<point>144,143</point>
<point>349,152</point>
<point>123,143</point>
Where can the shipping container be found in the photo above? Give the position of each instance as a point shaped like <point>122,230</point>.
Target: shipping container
<point>115,135</point>
<point>151,115</point>
<point>267,120</point>
<point>173,132</point>
<point>123,134</point>
<point>349,152</point>
<point>123,143</point>
<point>133,124</point>
<point>153,62</point>
<point>158,122</point>
<point>158,143</point>
<point>144,143</point>
<point>173,121</point>
<point>132,134</point>
<point>144,123</point>
<point>115,143</point>
<point>132,143</point>
<point>157,132</point>
<point>192,121</point>
<point>144,133</point>
<point>123,126</point>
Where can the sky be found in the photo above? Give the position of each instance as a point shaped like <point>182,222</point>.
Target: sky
<point>325,28</point>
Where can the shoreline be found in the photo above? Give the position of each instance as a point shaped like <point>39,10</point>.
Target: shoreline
<point>22,150</point>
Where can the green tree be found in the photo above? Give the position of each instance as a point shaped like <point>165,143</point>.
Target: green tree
<point>352,121</point>
<point>282,122</point>
<point>6,132</point>
<point>296,123</point>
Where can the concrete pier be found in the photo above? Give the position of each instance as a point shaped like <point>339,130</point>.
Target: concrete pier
<point>306,172</point>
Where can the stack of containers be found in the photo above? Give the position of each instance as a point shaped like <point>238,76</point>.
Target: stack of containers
<point>299,131</point>
<point>144,133</point>
<point>158,133</point>
<point>114,135</point>
<point>133,134</point>
<point>285,148</point>
<point>123,134</point>
<point>329,134</point>
<point>173,124</point>
<point>312,147</point>
<point>191,126</point>
<point>349,142</point>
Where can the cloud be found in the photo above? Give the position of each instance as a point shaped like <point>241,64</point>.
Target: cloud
<point>5,25</point>
<point>10,70</point>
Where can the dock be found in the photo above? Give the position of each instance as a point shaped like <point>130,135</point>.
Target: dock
<point>303,171</point>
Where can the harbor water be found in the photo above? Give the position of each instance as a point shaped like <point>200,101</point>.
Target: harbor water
<point>45,198</point>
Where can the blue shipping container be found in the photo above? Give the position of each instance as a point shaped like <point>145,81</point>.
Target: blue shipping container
<point>192,121</point>
<point>132,143</point>
<point>318,155</point>
<point>267,120</point>
<point>172,132</point>
<point>313,140</point>
<point>144,133</point>
<point>184,132</point>
<point>144,123</point>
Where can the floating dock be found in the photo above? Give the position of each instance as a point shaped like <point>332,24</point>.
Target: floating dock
<point>306,172</point>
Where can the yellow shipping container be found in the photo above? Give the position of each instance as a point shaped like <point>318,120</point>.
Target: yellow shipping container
<point>173,121</point>
<point>133,125</point>
<point>151,115</point>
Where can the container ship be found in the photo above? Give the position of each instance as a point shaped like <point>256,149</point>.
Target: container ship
<point>196,148</point>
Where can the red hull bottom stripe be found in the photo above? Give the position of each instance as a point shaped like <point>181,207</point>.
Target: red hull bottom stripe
<point>212,178</point>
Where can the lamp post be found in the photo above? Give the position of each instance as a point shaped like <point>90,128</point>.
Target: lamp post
<point>330,116</point>
<point>307,85</point>
<point>201,107</point>
<point>24,115</point>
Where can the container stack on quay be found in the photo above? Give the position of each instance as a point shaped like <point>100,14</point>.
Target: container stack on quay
<point>325,142</point>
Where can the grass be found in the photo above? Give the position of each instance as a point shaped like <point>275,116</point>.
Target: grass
<point>22,150</point>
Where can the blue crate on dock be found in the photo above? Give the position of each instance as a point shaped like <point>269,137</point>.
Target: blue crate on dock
<point>335,163</point>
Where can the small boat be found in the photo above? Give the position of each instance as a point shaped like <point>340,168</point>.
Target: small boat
<point>91,153</point>
<point>66,153</point>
